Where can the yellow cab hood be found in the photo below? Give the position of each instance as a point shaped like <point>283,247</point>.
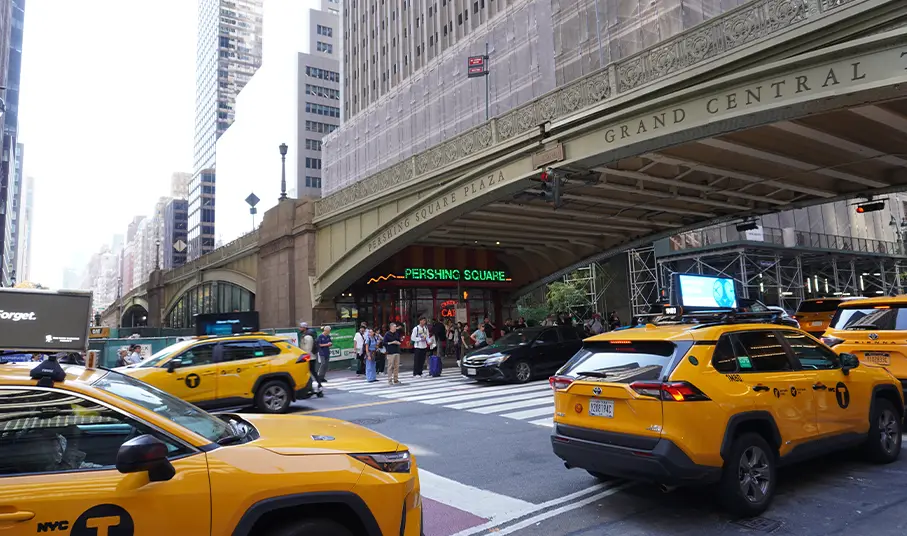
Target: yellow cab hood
<point>299,435</point>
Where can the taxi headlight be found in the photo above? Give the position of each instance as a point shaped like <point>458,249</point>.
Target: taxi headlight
<point>388,462</point>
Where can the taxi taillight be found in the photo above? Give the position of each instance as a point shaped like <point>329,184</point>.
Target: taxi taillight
<point>304,358</point>
<point>670,391</point>
<point>559,383</point>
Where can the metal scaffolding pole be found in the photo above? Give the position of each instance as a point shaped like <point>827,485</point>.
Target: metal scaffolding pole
<point>643,272</point>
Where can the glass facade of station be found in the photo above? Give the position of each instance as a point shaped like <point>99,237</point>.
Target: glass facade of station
<point>211,297</point>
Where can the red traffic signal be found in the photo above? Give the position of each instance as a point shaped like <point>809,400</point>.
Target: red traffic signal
<point>870,207</point>
<point>545,176</point>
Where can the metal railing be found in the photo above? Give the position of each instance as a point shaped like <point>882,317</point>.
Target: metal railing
<point>793,238</point>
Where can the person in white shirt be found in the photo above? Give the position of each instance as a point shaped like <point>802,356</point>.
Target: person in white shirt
<point>134,358</point>
<point>359,348</point>
<point>308,341</point>
<point>420,341</point>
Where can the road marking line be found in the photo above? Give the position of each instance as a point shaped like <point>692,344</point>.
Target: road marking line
<point>530,413</point>
<point>354,406</point>
<point>486,409</point>
<point>534,401</point>
<point>537,508</point>
<point>476,501</point>
<point>476,388</point>
<point>549,422</point>
<point>558,511</point>
<point>410,384</point>
<point>422,390</point>
<point>485,393</point>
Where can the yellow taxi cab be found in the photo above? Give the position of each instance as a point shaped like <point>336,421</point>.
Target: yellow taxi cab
<point>873,329</point>
<point>229,371</point>
<point>95,451</point>
<point>815,315</point>
<point>724,400</point>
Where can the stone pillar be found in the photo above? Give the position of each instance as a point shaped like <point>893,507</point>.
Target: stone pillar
<point>286,262</point>
<point>155,299</point>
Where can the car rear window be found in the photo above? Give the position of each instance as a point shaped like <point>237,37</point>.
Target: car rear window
<point>871,318</point>
<point>623,361</point>
<point>818,306</point>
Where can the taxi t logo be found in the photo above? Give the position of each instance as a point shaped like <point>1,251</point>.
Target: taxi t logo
<point>104,520</point>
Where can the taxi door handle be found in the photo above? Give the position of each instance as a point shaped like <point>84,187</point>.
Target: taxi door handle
<point>818,386</point>
<point>760,387</point>
<point>16,517</point>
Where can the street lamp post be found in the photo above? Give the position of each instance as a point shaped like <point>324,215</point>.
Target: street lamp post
<point>157,254</point>
<point>283,171</point>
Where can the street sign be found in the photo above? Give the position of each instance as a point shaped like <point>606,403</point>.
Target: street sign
<point>180,246</point>
<point>252,200</point>
<point>476,66</point>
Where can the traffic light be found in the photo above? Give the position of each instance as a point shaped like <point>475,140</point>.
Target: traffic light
<point>870,207</point>
<point>551,187</point>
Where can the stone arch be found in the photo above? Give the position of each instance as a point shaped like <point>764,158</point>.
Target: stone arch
<point>228,276</point>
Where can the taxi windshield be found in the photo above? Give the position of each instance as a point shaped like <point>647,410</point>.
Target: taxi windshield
<point>162,355</point>
<point>165,405</point>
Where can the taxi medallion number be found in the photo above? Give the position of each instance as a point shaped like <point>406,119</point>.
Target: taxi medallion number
<point>470,372</point>
<point>601,408</point>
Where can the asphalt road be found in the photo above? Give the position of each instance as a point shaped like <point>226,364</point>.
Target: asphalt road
<point>486,467</point>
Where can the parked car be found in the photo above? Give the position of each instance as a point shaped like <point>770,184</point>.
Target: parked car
<point>523,354</point>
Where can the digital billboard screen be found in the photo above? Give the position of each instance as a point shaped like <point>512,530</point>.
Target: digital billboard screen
<point>706,292</point>
<point>226,323</point>
<point>44,321</point>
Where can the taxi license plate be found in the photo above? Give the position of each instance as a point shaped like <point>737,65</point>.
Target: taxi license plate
<point>601,408</point>
<point>879,358</point>
<point>816,323</point>
<point>470,372</point>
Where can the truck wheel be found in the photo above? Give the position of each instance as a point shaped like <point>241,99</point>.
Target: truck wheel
<point>273,397</point>
<point>312,527</point>
<point>883,444</point>
<point>748,478</point>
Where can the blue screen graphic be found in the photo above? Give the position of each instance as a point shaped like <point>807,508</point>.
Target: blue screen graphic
<point>707,292</point>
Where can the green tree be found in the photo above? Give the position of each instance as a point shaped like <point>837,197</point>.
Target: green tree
<point>565,297</point>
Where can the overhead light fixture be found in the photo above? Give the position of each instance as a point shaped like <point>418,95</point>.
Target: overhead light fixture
<point>747,226</point>
<point>870,207</point>
<point>497,243</point>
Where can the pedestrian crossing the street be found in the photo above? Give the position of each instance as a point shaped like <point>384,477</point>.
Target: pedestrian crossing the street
<point>531,402</point>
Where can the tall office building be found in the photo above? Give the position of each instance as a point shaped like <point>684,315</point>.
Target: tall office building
<point>179,185</point>
<point>228,52</point>
<point>405,87</point>
<point>26,222</point>
<point>173,243</point>
<point>12,17</point>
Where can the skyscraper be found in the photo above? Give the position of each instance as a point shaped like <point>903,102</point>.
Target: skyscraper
<point>12,18</point>
<point>228,52</point>
<point>26,221</point>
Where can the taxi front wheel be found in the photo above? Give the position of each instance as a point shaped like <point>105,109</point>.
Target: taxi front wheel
<point>883,445</point>
<point>312,527</point>
<point>748,478</point>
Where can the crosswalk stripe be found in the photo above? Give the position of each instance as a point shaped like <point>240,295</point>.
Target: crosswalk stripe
<point>534,401</point>
<point>493,405</point>
<point>410,384</point>
<point>488,393</point>
<point>530,413</point>
<point>421,389</point>
<point>549,422</point>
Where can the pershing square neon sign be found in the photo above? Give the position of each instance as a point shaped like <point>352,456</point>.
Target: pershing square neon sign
<point>444,274</point>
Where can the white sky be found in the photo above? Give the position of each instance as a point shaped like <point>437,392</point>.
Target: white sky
<point>106,115</point>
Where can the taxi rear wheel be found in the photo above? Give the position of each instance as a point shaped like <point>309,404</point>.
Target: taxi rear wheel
<point>748,478</point>
<point>883,444</point>
<point>273,397</point>
<point>312,527</point>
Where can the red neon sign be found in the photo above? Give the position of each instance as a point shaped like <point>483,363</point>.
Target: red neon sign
<point>449,309</point>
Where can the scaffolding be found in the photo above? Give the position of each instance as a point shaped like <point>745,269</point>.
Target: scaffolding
<point>594,280</point>
<point>644,281</point>
<point>780,276</point>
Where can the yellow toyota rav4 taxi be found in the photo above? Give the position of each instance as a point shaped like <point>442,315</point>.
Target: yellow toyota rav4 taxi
<point>229,371</point>
<point>873,329</point>
<point>97,452</point>
<point>724,401</point>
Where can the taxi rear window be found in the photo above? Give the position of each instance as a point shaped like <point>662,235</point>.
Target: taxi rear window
<point>871,318</point>
<point>624,361</point>
<point>818,306</point>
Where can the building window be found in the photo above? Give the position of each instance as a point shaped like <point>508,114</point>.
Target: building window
<point>324,92</point>
<point>321,109</point>
<point>322,74</point>
<point>326,31</point>
<point>312,163</point>
<point>313,145</point>
<point>324,47</point>
<point>313,182</point>
<point>321,128</point>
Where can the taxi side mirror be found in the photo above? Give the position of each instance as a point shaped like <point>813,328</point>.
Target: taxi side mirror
<point>145,453</point>
<point>848,363</point>
<point>174,364</point>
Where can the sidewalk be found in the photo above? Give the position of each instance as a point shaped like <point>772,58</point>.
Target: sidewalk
<point>406,367</point>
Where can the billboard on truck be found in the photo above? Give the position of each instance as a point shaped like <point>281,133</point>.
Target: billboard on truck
<point>44,320</point>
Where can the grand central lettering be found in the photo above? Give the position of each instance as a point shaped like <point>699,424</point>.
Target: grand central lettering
<point>786,87</point>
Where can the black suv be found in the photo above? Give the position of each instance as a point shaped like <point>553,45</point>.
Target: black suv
<point>523,354</point>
